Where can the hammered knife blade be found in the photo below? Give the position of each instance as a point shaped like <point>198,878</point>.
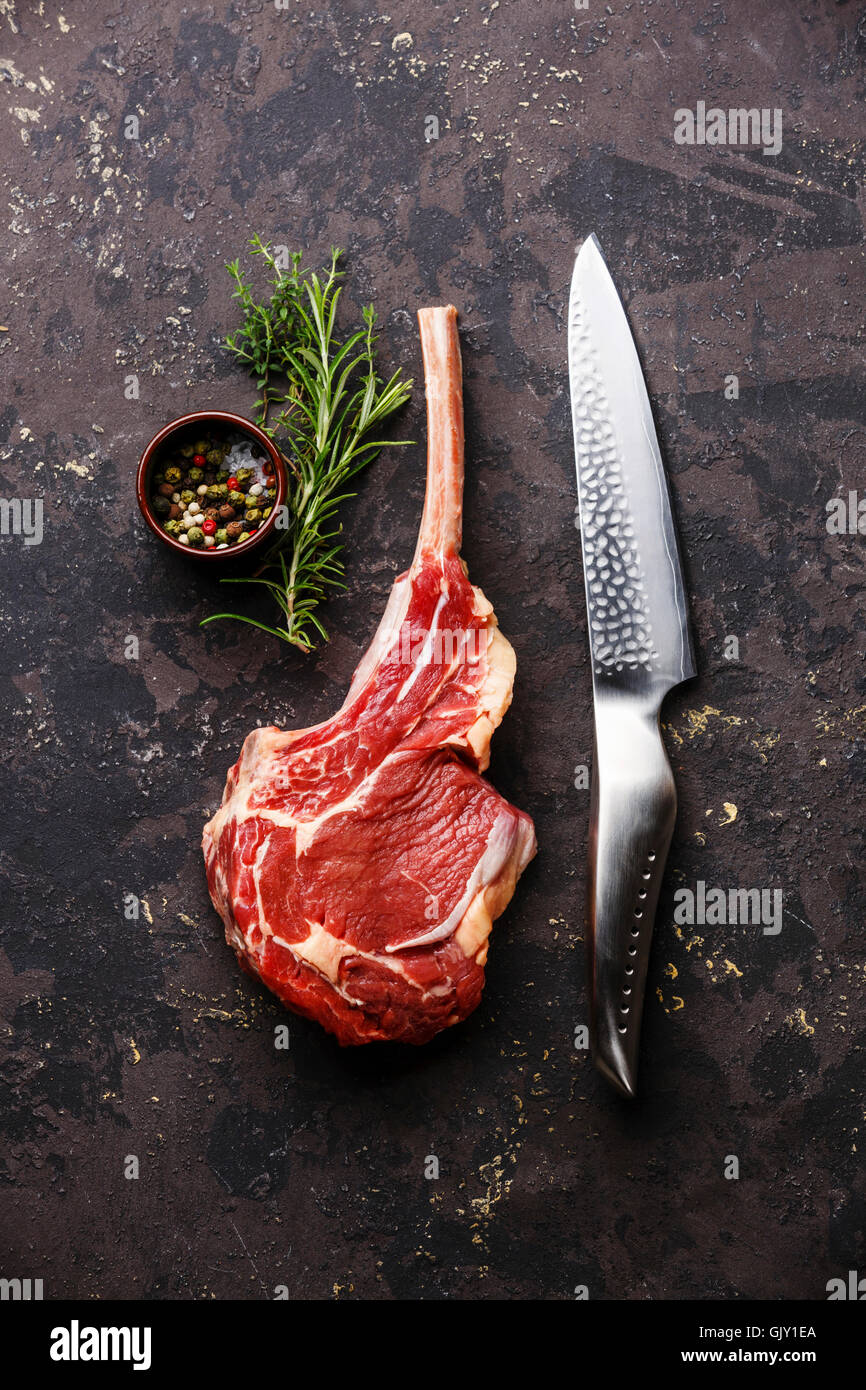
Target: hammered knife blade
<point>640,648</point>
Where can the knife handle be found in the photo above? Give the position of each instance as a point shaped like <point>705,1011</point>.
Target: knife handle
<point>634,804</point>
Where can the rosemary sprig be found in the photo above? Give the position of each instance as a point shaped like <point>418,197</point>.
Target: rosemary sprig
<point>323,402</point>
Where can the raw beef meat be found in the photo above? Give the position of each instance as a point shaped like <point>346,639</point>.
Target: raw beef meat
<point>358,865</point>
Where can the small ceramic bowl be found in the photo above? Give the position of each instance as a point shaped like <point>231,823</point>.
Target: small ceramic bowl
<point>181,431</point>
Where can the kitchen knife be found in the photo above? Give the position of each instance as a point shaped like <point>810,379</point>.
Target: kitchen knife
<point>640,648</point>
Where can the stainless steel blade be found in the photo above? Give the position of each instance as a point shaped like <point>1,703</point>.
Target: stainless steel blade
<point>640,645</point>
<point>638,617</point>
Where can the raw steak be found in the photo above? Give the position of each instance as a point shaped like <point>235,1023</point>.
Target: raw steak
<point>358,865</point>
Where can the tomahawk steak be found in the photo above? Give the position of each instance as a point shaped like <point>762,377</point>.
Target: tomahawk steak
<point>358,865</point>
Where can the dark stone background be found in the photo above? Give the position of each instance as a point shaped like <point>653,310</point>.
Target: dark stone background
<point>121,1037</point>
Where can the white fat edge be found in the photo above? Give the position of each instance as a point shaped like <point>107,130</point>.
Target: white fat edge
<point>216,824</point>
<point>212,833</point>
<point>473,933</point>
<point>526,843</point>
<point>211,859</point>
<point>496,689</point>
<point>496,854</point>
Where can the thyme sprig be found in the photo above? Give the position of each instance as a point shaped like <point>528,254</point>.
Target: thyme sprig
<point>322,400</point>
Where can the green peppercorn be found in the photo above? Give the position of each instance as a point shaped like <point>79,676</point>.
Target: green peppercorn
<point>221,536</point>
<point>172,527</point>
<point>251,500</point>
<point>266,513</point>
<point>195,535</point>
<point>223,475</point>
<point>215,456</point>
<point>195,475</point>
<point>187,496</point>
<point>243,475</point>
<point>187,451</point>
<point>253,514</point>
<point>173,475</point>
<point>201,447</point>
<point>213,494</point>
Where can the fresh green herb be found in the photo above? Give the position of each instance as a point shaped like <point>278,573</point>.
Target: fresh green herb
<point>324,403</point>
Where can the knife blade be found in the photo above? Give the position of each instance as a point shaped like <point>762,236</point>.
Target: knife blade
<point>640,647</point>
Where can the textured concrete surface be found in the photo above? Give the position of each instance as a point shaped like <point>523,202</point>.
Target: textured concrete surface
<point>140,1037</point>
